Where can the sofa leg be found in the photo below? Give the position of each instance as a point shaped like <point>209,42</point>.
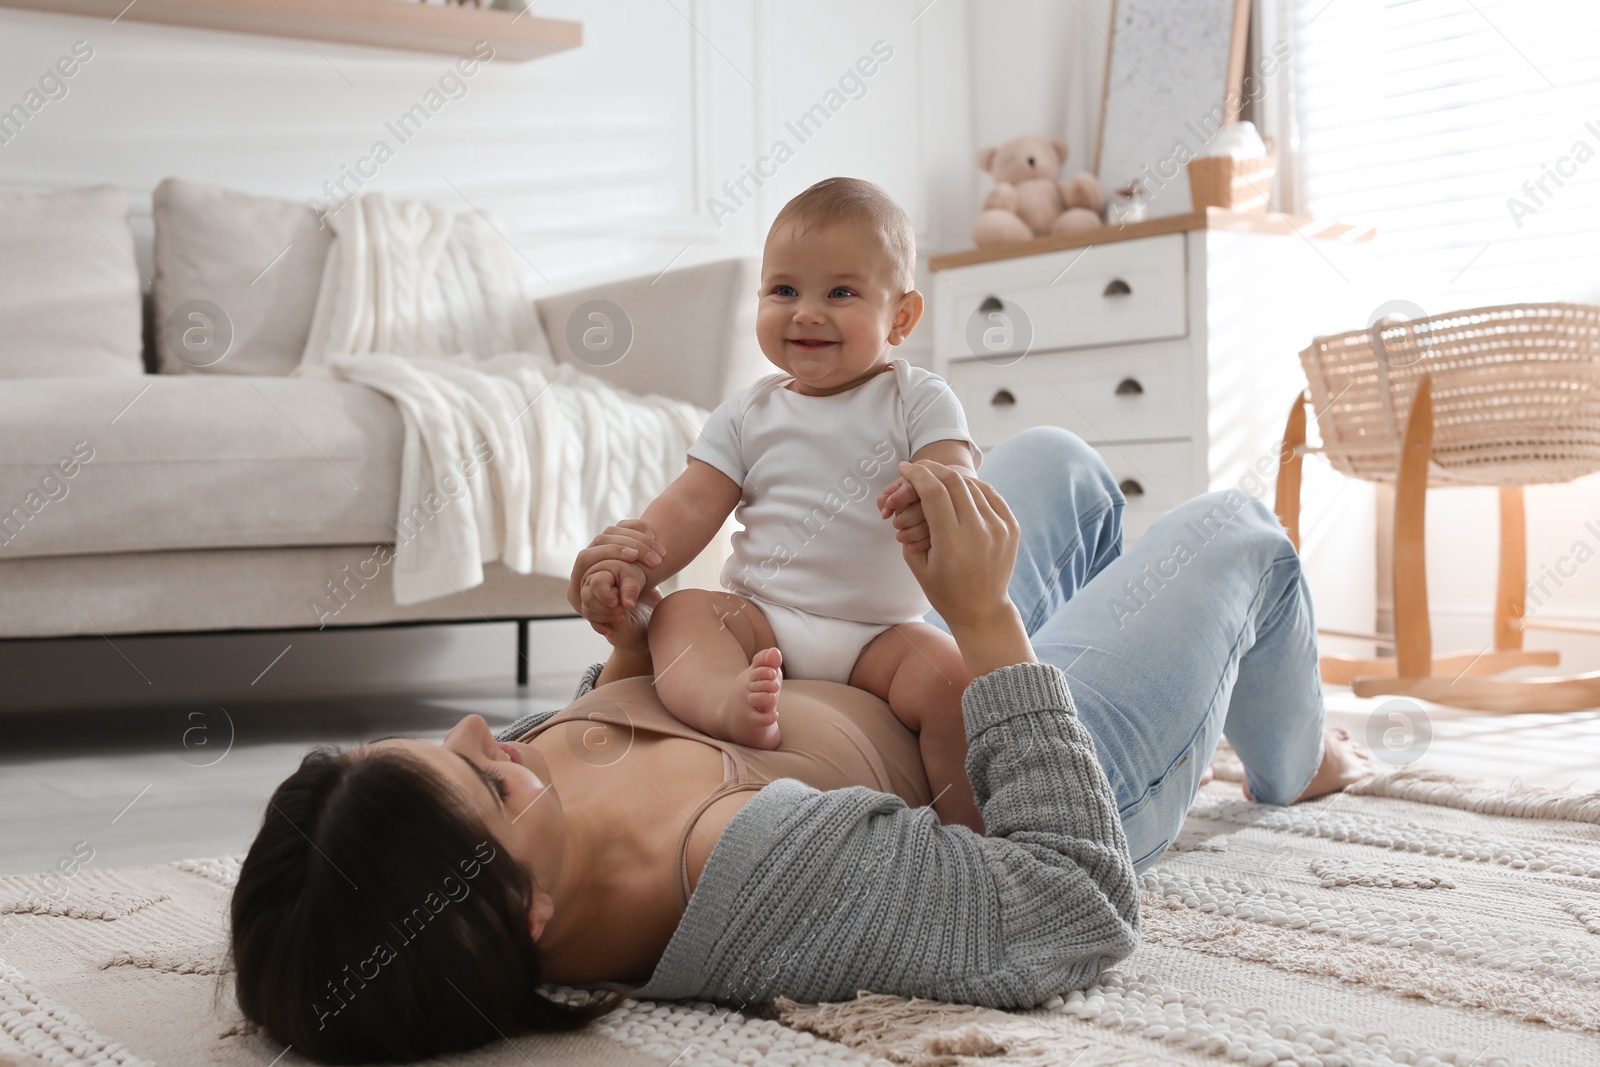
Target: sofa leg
<point>522,653</point>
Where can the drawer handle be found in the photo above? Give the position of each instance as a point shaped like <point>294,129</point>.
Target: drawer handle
<point>1130,487</point>
<point>1003,399</point>
<point>991,303</point>
<point>1117,287</point>
<point>1129,387</point>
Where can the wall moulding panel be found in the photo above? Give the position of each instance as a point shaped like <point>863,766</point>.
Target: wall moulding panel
<point>378,23</point>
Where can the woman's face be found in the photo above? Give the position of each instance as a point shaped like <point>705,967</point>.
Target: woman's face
<point>507,785</point>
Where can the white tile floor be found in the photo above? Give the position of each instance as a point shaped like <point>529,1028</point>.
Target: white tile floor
<point>128,783</point>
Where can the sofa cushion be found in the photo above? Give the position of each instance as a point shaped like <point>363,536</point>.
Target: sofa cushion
<point>96,465</point>
<point>689,333</point>
<point>249,265</point>
<point>69,290</point>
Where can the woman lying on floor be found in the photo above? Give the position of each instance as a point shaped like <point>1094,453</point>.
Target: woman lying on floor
<point>405,899</point>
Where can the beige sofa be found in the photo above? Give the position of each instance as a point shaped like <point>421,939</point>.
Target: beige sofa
<point>144,488</point>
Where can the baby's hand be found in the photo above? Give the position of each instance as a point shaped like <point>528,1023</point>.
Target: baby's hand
<point>613,599</point>
<point>610,586</point>
<point>629,540</point>
<point>613,585</point>
<point>900,499</point>
<point>896,495</point>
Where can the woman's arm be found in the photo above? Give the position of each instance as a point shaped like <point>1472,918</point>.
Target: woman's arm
<point>966,569</point>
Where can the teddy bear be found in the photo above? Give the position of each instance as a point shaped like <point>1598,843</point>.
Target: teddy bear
<point>1029,199</point>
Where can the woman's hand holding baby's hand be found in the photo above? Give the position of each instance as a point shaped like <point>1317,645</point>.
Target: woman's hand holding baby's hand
<point>610,585</point>
<point>629,541</point>
<point>910,526</point>
<point>966,572</point>
<point>613,603</point>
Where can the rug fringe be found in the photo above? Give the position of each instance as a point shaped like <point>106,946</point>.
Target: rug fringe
<point>1516,800</point>
<point>1446,790</point>
<point>899,1030</point>
<point>871,1017</point>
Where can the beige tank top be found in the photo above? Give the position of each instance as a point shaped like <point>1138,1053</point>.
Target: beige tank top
<point>833,736</point>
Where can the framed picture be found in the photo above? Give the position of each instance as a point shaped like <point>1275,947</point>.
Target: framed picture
<point>1173,75</point>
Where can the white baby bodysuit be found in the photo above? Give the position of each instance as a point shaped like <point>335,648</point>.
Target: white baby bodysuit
<point>811,469</point>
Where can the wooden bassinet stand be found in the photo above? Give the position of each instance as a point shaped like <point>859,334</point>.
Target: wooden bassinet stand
<point>1504,396</point>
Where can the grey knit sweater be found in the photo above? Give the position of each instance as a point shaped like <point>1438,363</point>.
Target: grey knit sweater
<point>815,895</point>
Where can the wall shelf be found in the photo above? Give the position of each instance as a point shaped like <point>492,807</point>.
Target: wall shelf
<point>413,27</point>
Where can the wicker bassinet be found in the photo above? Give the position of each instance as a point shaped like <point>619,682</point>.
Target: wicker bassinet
<point>1516,394</point>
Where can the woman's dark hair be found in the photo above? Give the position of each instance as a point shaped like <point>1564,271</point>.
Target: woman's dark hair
<point>376,919</point>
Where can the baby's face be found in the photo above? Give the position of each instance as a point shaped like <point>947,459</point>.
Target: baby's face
<point>831,305</point>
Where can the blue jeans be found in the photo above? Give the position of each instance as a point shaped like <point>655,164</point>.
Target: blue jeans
<point>1201,630</point>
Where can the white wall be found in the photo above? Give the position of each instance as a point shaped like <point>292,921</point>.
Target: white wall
<point>1037,68</point>
<point>601,161</point>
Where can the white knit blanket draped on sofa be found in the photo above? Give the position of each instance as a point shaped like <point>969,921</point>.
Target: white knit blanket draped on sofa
<point>508,454</point>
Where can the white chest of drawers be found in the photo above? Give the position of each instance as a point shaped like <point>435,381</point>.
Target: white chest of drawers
<point>1176,355</point>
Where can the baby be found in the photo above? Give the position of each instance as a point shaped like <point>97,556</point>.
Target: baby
<point>817,585</point>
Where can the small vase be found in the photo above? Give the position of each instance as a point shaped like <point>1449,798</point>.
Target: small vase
<point>1126,205</point>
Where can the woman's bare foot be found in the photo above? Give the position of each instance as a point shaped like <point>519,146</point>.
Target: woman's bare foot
<point>1344,762</point>
<point>751,711</point>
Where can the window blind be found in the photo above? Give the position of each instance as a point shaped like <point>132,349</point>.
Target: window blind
<point>1466,131</point>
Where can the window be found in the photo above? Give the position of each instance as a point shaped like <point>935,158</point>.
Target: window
<point>1466,131</point>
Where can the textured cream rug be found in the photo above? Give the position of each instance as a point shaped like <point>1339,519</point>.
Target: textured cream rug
<point>1420,920</point>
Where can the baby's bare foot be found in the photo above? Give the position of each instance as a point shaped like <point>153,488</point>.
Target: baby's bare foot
<point>1344,762</point>
<point>752,702</point>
